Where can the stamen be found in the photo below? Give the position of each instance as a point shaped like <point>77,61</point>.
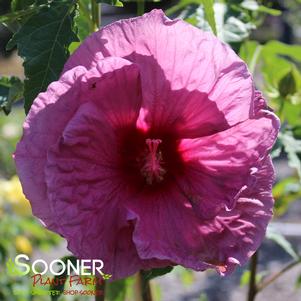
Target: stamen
<point>152,169</point>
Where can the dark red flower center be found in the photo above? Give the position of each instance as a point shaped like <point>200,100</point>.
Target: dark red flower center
<point>150,160</point>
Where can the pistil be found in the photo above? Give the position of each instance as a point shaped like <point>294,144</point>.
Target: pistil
<point>152,169</point>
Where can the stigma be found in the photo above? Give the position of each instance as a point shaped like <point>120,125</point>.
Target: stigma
<point>152,168</point>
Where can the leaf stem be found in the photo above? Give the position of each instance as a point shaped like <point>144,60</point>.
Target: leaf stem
<point>140,7</point>
<point>252,282</point>
<point>275,276</point>
<point>100,289</point>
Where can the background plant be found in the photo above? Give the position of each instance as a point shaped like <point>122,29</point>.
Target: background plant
<point>45,32</point>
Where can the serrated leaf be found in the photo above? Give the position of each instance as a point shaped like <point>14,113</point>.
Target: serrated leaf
<point>45,54</point>
<point>282,242</point>
<point>111,2</point>
<point>11,90</point>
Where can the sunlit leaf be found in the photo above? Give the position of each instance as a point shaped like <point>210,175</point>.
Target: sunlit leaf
<point>270,11</point>
<point>250,52</point>
<point>250,4</point>
<point>292,147</point>
<point>83,19</point>
<point>245,277</point>
<point>285,192</point>
<point>209,14</point>
<point>282,242</point>
<point>111,2</point>
<point>45,54</point>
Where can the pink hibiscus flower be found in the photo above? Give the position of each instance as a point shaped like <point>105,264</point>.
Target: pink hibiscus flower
<point>152,149</point>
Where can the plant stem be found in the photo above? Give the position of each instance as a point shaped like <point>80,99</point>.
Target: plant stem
<point>143,286</point>
<point>100,288</point>
<point>274,277</point>
<point>95,14</point>
<point>140,7</point>
<point>252,282</point>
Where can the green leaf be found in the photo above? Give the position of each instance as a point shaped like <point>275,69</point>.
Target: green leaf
<point>111,2</point>
<point>19,14</point>
<point>83,19</point>
<point>270,11</point>
<point>153,273</point>
<point>45,54</point>
<point>250,5</point>
<point>285,192</point>
<point>209,14</point>
<point>282,242</point>
<point>250,52</point>
<point>21,4</point>
<point>287,85</point>
<point>278,59</point>
<point>11,90</point>
<point>61,279</point>
<point>245,277</point>
<point>116,290</point>
<point>292,147</point>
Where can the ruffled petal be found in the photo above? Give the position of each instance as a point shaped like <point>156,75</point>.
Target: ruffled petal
<point>219,167</point>
<point>168,228</point>
<point>238,233</point>
<point>175,59</point>
<point>42,129</point>
<point>113,85</point>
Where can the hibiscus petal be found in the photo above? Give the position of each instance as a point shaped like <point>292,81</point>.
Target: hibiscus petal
<point>175,56</point>
<point>39,133</point>
<point>86,190</point>
<point>219,167</point>
<point>167,227</point>
<point>120,104</point>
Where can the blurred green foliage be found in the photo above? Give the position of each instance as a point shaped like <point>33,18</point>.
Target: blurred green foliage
<point>243,24</point>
